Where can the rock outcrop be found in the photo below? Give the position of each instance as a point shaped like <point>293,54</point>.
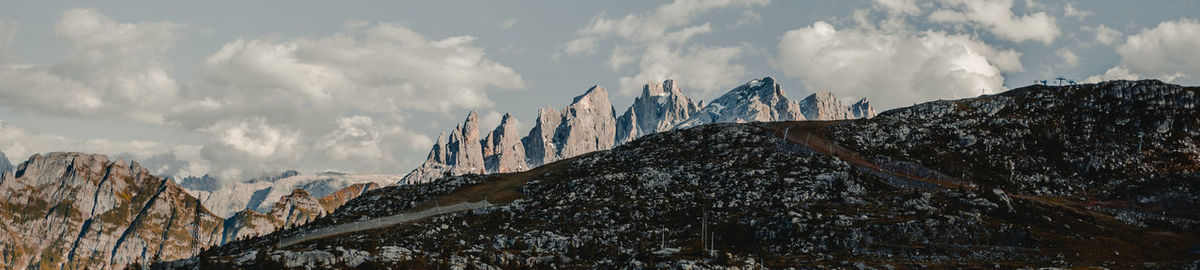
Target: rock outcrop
<point>459,153</point>
<point>73,210</point>
<point>502,148</point>
<point>295,209</point>
<point>756,101</point>
<point>539,144</point>
<point>862,109</point>
<point>659,108</point>
<point>588,124</point>
<point>823,106</point>
<point>5,166</point>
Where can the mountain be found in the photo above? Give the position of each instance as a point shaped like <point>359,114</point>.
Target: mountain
<point>5,166</point>
<point>590,124</point>
<point>823,106</point>
<point>461,153</point>
<point>756,101</point>
<point>1095,175</point>
<point>861,109</point>
<point>587,124</point>
<point>261,194</point>
<point>294,209</point>
<point>73,210</point>
<point>203,183</point>
<point>659,108</point>
<point>502,148</point>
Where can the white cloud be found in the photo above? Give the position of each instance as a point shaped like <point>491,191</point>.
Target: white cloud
<point>1071,12</point>
<point>749,17</point>
<point>1068,57</point>
<point>343,98</point>
<point>160,158</point>
<point>702,69</point>
<point>1167,51</point>
<point>908,7</point>
<point>111,69</point>
<point>268,103</point>
<point>658,41</point>
<point>893,68</point>
<point>507,24</point>
<point>1115,73</point>
<point>1104,34</point>
<point>996,16</point>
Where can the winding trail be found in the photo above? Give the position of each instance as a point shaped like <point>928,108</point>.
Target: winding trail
<point>371,224</point>
<point>810,134</point>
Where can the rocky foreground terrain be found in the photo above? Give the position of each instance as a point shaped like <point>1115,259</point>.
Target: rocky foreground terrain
<point>1101,175</point>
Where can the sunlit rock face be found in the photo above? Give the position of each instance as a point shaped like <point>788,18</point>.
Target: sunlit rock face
<point>73,210</point>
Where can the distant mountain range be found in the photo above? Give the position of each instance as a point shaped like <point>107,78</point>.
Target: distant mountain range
<point>589,123</point>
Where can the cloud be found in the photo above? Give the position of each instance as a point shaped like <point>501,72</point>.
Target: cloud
<point>508,24</point>
<point>111,69</point>
<point>1167,51</point>
<point>908,7</point>
<point>703,69</point>
<point>336,102</point>
<point>1115,73</point>
<point>7,32</point>
<point>160,158</point>
<point>1071,12</point>
<point>658,41</point>
<point>1104,34</point>
<point>996,16</point>
<point>1068,57</point>
<point>893,68</point>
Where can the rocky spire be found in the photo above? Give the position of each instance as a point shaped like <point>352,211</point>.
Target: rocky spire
<point>539,146</point>
<point>588,124</point>
<point>659,108</point>
<point>823,106</point>
<point>461,152</point>
<point>463,145</point>
<point>862,109</point>
<point>502,148</point>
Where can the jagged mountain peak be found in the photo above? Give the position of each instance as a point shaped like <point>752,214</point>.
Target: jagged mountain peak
<point>760,99</point>
<point>660,107</point>
<point>822,105</point>
<point>862,109</point>
<point>594,95</point>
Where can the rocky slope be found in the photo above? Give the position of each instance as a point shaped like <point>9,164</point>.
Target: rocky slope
<point>72,210</point>
<point>660,108</point>
<point>1059,179</point>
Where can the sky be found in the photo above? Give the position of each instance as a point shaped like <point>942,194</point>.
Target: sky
<point>240,89</point>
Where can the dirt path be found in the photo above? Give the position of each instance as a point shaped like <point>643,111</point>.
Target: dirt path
<point>811,135</point>
<point>370,224</point>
